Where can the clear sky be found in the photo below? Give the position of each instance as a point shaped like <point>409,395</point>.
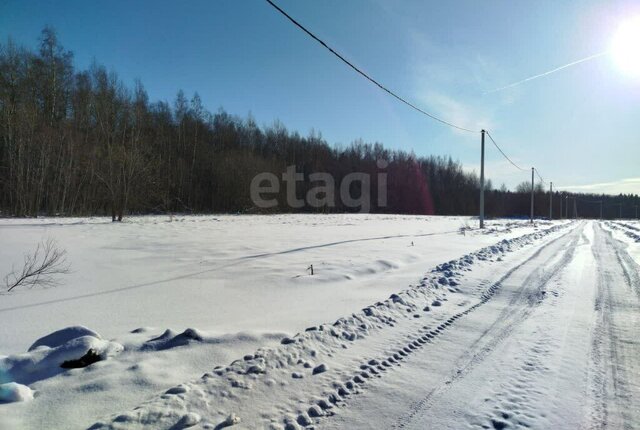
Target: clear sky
<point>579,126</point>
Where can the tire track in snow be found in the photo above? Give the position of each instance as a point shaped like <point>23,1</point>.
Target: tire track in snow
<point>376,367</point>
<point>610,355</point>
<point>630,231</point>
<point>517,311</point>
<point>425,335</point>
<point>526,392</point>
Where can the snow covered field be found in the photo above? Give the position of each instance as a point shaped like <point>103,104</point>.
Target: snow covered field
<point>237,287</point>
<point>627,231</point>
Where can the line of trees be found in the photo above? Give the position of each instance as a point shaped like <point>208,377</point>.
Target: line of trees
<point>80,142</point>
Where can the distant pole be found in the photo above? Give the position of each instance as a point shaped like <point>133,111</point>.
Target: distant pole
<point>482,179</point>
<point>600,210</point>
<point>532,195</point>
<point>550,201</point>
<point>560,206</point>
<point>566,206</point>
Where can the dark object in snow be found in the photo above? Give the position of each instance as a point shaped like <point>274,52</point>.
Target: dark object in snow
<point>320,369</point>
<point>255,368</point>
<point>310,268</point>
<point>368,311</point>
<point>180,389</point>
<point>315,411</point>
<point>304,420</point>
<point>397,299</point>
<point>436,303</point>
<point>86,360</point>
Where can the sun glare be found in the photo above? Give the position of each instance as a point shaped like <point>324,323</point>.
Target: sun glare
<point>625,47</point>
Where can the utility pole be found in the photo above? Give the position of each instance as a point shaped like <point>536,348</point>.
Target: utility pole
<point>550,201</point>
<point>600,210</point>
<point>560,206</point>
<point>482,179</point>
<point>532,169</point>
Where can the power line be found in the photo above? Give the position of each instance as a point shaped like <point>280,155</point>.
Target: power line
<point>378,84</point>
<point>503,154</point>
<point>391,93</point>
<point>511,161</point>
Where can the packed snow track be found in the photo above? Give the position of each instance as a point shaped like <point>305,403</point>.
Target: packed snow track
<point>555,347</point>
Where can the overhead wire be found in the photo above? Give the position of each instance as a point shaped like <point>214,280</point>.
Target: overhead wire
<point>539,176</point>
<point>365,75</point>
<point>388,91</point>
<point>502,152</point>
<point>511,161</point>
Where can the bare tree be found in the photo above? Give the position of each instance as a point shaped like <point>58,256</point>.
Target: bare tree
<point>525,187</point>
<point>40,267</point>
<point>81,142</point>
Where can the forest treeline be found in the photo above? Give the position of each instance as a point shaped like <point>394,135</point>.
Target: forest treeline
<point>81,142</point>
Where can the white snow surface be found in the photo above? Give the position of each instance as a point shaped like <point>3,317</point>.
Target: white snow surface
<point>165,300</point>
<point>225,273</point>
<point>628,232</point>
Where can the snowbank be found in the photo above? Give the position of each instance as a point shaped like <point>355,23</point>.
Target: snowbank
<point>56,352</point>
<point>60,337</point>
<point>12,392</point>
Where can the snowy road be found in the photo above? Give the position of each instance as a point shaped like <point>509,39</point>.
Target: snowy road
<point>556,346</point>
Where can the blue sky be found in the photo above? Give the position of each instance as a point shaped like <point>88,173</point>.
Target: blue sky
<point>580,126</point>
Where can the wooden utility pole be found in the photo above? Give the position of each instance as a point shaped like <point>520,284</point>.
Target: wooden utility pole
<point>532,186</point>
<point>560,206</point>
<point>481,217</point>
<point>550,201</point>
<point>600,210</point>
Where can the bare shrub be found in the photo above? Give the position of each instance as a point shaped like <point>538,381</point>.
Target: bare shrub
<point>464,228</point>
<point>40,267</point>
